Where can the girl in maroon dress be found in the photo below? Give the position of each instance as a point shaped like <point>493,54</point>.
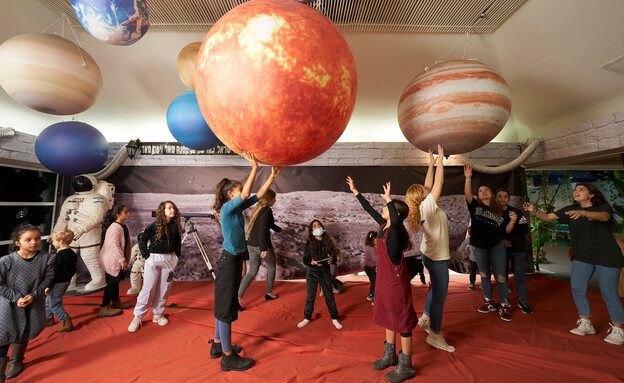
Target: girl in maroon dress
<point>393,307</point>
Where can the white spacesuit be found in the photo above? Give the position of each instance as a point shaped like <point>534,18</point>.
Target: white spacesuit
<point>83,214</point>
<point>136,274</point>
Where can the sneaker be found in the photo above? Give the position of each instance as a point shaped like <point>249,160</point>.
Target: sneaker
<point>423,322</point>
<point>525,307</point>
<point>135,325</point>
<point>438,341</point>
<point>336,324</point>
<point>161,320</point>
<point>487,307</point>
<point>615,335</point>
<point>503,311</point>
<point>584,327</point>
<point>471,286</point>
<point>303,323</point>
<point>369,297</point>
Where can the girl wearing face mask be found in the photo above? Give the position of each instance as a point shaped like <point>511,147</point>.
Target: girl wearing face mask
<point>594,250</point>
<point>231,199</point>
<point>393,309</point>
<point>426,215</point>
<point>260,246</point>
<point>161,256</point>
<point>486,239</point>
<point>318,253</point>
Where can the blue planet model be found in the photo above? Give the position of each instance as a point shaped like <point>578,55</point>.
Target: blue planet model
<point>71,148</point>
<point>187,124</point>
<point>117,22</point>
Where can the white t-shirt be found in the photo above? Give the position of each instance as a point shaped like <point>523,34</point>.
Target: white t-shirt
<point>435,242</point>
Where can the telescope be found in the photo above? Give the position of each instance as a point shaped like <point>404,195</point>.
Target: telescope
<point>190,215</point>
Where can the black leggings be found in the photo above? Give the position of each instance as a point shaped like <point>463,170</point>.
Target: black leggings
<point>371,272</point>
<point>111,293</point>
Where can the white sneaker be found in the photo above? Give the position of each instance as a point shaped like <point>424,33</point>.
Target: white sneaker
<point>135,325</point>
<point>584,327</point>
<point>423,322</point>
<point>303,323</point>
<point>337,324</point>
<point>615,335</point>
<point>161,320</point>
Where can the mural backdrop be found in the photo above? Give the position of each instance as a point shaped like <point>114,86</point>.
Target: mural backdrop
<point>304,193</point>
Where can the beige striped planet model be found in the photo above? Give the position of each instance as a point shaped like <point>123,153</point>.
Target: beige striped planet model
<point>460,104</point>
<point>45,72</point>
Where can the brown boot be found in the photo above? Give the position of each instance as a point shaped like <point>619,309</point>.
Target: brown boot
<point>67,325</point>
<point>108,311</point>
<point>120,305</point>
<point>50,322</point>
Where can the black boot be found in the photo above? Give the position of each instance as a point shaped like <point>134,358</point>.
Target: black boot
<point>15,362</point>
<point>234,362</point>
<point>403,370</point>
<point>3,363</point>
<point>388,358</point>
<point>216,351</point>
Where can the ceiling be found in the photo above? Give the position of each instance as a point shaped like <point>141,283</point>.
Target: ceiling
<point>548,51</point>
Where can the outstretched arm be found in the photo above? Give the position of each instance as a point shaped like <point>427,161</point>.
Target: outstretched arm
<point>468,183</point>
<point>394,215</point>
<point>252,176</point>
<point>275,170</point>
<point>429,176</point>
<point>365,204</point>
<point>545,216</point>
<point>436,190</point>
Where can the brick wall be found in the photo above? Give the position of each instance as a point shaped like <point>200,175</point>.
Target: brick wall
<point>21,148</point>
<point>595,138</point>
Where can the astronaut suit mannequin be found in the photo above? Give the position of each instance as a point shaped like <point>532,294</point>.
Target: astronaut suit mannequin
<point>83,214</point>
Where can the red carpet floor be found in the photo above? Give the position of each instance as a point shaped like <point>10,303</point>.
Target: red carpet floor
<point>532,348</point>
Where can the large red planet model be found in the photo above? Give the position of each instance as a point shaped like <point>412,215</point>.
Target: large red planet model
<point>458,104</point>
<point>276,78</point>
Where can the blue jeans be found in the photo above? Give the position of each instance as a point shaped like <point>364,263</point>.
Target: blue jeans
<point>497,257</point>
<point>54,302</point>
<point>608,279</point>
<point>434,306</point>
<point>518,266</point>
<point>223,332</point>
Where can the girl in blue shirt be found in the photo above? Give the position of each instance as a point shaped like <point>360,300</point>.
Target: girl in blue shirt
<point>231,198</point>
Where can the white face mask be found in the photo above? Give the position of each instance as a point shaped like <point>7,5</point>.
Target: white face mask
<point>318,232</point>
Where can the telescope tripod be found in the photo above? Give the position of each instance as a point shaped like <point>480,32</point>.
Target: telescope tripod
<point>204,249</point>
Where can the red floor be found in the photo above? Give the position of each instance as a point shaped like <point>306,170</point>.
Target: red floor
<point>532,348</point>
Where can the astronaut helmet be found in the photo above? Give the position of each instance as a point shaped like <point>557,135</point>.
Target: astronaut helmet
<point>84,183</point>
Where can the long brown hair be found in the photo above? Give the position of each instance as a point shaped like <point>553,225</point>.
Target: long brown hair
<point>161,220</point>
<point>414,197</point>
<point>371,236</point>
<point>598,198</point>
<point>495,208</point>
<point>266,200</point>
<point>327,240</point>
<point>111,216</point>
<point>221,194</point>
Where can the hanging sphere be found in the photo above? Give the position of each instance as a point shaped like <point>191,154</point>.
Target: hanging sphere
<point>45,72</point>
<point>276,78</point>
<point>116,22</point>
<point>186,64</point>
<point>460,104</point>
<point>70,148</point>
<point>186,123</point>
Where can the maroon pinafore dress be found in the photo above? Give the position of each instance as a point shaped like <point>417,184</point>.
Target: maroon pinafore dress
<point>393,307</point>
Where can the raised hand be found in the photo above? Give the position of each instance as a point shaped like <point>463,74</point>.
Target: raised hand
<point>468,170</point>
<point>351,184</point>
<point>386,193</point>
<point>275,170</point>
<point>441,155</point>
<point>431,158</point>
<point>251,158</point>
<point>529,207</point>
